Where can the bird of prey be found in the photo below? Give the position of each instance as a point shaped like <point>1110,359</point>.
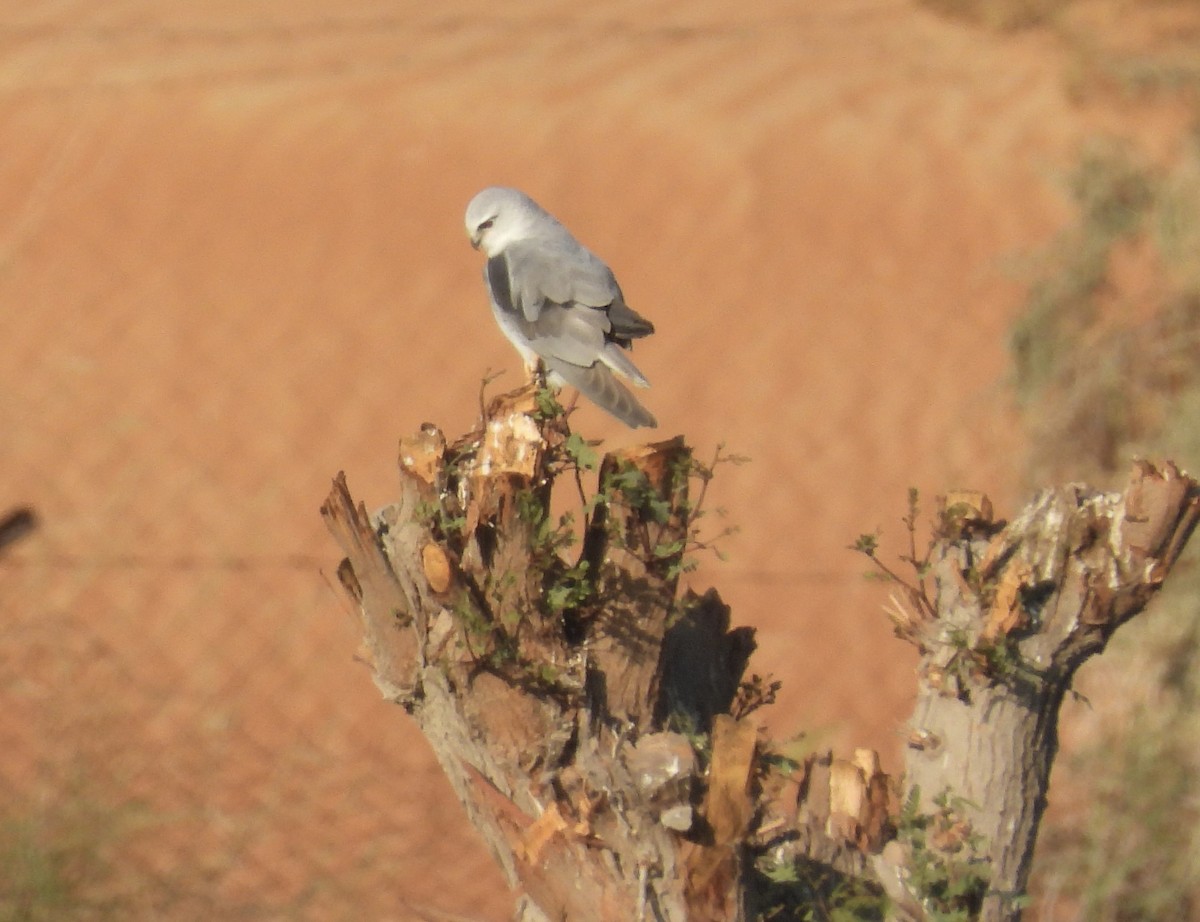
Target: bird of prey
<point>557,302</point>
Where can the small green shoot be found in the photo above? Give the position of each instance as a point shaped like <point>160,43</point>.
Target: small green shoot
<point>945,869</point>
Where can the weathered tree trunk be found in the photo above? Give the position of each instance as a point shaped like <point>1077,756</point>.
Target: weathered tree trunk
<point>593,723</point>
<point>543,686</point>
<point>1016,611</point>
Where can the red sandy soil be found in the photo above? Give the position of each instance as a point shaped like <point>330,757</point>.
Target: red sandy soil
<point>232,262</point>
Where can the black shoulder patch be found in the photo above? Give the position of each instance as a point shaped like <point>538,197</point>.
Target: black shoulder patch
<point>497,276</point>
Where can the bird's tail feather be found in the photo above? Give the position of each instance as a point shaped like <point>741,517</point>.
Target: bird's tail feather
<point>600,385</point>
<point>626,322</point>
<point>615,358</point>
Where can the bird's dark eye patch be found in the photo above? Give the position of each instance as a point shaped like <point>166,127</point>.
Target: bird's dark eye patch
<point>486,224</point>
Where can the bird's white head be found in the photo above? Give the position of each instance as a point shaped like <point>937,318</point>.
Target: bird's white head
<point>499,215</point>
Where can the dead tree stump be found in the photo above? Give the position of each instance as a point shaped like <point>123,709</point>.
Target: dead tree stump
<point>1016,610</point>
<point>593,722</point>
<point>543,685</point>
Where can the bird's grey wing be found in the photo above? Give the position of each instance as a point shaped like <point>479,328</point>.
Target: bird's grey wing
<point>574,335</point>
<point>578,336</point>
<point>570,348</point>
<point>556,269</point>
<point>552,329</point>
<point>572,274</point>
<point>570,332</point>
<point>600,385</point>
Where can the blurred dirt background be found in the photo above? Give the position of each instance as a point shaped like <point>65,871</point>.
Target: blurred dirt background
<point>232,262</point>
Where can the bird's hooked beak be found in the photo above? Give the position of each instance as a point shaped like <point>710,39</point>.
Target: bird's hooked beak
<point>476,235</point>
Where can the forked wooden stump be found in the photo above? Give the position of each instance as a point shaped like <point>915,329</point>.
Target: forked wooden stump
<point>1019,608</point>
<point>589,717</point>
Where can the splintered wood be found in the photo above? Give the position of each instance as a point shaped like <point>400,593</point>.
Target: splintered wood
<point>422,455</point>
<point>727,806</point>
<point>713,870</point>
<point>549,722</point>
<point>1161,511</point>
<point>1018,611</point>
<point>858,800</point>
<point>513,442</point>
<point>623,546</point>
<point>372,583</point>
<point>1007,611</point>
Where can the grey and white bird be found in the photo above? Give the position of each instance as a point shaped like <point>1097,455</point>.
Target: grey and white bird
<point>558,302</point>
